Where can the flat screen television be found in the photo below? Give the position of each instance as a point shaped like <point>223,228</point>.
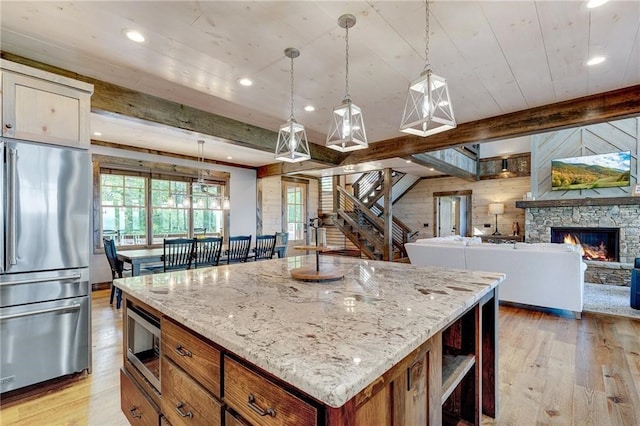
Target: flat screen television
<point>591,171</point>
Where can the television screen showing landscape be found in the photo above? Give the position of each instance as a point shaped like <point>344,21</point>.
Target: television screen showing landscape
<point>592,171</point>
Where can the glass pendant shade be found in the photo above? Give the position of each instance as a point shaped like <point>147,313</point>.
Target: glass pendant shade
<point>428,108</point>
<point>347,128</point>
<point>292,143</point>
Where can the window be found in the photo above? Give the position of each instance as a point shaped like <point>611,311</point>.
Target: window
<point>140,209</point>
<point>124,213</point>
<point>171,209</point>
<point>207,209</point>
<point>295,210</point>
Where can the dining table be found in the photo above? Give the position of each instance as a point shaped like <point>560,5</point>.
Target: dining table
<point>137,257</point>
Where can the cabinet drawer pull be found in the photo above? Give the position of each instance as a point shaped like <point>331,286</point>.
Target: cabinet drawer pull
<point>268,412</point>
<point>179,406</point>
<point>135,413</point>
<point>182,351</point>
<point>8,125</point>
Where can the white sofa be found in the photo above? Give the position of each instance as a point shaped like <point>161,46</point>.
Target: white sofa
<point>545,275</point>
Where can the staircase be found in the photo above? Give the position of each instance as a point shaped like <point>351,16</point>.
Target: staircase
<point>360,217</point>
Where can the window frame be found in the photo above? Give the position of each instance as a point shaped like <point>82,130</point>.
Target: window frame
<point>151,170</point>
<point>304,184</point>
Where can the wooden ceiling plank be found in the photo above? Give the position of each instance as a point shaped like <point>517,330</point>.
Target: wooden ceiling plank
<point>112,98</point>
<point>511,21</point>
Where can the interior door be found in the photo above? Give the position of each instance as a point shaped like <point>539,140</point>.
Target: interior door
<point>294,206</point>
<point>446,216</point>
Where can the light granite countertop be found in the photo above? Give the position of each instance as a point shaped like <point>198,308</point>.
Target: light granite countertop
<point>328,339</point>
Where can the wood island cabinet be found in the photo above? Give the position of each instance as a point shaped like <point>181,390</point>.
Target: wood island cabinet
<point>44,107</point>
<point>450,379</point>
<point>135,404</point>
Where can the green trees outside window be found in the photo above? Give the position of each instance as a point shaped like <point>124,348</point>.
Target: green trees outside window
<point>124,213</point>
<point>179,208</point>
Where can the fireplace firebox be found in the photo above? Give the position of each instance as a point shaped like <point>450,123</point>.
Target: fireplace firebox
<point>597,243</point>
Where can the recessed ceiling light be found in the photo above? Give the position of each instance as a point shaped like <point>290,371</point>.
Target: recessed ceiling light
<point>97,134</point>
<point>596,60</point>
<point>133,35</point>
<point>595,3</point>
<point>431,169</point>
<point>245,81</point>
<point>309,108</point>
<point>229,157</point>
<point>407,161</point>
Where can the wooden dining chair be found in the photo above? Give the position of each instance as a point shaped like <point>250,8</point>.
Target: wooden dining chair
<point>238,250</point>
<point>208,251</point>
<point>178,253</point>
<point>117,268</point>
<point>282,239</point>
<point>199,231</point>
<point>265,245</point>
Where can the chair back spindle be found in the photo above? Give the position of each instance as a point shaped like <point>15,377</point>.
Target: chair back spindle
<point>238,250</point>
<point>208,251</point>
<point>265,245</point>
<point>178,253</point>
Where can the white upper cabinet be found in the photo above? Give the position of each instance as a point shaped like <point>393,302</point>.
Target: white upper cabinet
<point>44,107</point>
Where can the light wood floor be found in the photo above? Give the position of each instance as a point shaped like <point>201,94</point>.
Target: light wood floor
<point>553,370</point>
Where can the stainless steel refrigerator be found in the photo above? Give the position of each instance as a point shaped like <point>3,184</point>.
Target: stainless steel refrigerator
<point>44,267</point>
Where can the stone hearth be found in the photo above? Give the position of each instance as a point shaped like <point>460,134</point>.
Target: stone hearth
<point>623,213</point>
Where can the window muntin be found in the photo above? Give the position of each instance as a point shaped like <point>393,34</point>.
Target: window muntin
<point>170,209</point>
<point>179,207</point>
<point>295,212</point>
<point>124,214</point>
<point>208,218</point>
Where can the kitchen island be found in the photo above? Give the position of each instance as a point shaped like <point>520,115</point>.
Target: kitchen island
<point>389,344</point>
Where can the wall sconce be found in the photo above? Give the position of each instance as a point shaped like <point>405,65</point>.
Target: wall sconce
<point>496,209</point>
<point>504,165</point>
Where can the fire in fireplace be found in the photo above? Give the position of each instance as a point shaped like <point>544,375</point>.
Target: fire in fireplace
<point>597,243</point>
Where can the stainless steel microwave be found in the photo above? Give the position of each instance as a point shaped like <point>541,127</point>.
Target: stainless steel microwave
<point>143,344</point>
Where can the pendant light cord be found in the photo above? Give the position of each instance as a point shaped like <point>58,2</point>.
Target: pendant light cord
<point>346,74</point>
<point>427,65</point>
<point>291,117</point>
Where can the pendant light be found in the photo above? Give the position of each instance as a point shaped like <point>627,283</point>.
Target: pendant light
<point>292,144</point>
<point>428,108</point>
<point>204,186</point>
<point>346,131</point>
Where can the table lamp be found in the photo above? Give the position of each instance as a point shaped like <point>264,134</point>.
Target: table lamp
<point>496,209</point>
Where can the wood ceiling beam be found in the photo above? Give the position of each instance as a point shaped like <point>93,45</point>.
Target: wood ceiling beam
<point>608,106</point>
<point>113,99</point>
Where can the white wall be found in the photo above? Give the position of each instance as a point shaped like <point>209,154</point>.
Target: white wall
<point>242,197</point>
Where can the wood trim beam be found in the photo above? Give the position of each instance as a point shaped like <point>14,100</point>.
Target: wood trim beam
<point>608,106</point>
<point>428,161</point>
<point>109,98</point>
<point>97,142</point>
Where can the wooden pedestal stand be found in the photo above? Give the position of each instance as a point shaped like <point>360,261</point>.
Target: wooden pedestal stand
<point>313,273</point>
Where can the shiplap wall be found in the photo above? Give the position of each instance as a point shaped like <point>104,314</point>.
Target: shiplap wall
<point>271,207</point>
<point>602,138</point>
<point>271,204</point>
<point>416,207</point>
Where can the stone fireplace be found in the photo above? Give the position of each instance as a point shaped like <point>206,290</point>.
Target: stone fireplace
<point>621,214</point>
<point>598,244</point>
